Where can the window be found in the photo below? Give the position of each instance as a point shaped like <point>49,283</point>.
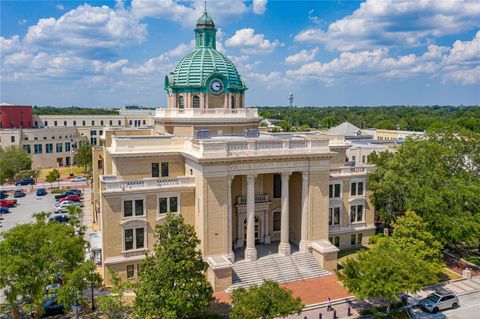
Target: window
<point>356,213</point>
<point>155,170</point>
<point>232,102</point>
<point>59,147</point>
<point>37,148</point>
<point>100,132</point>
<point>130,271</point>
<point>196,102</point>
<point>356,188</point>
<point>130,122</point>
<point>364,159</point>
<point>74,123</point>
<point>46,123</point>
<point>164,169</point>
<point>54,123</point>
<point>93,141</point>
<point>83,123</point>
<point>134,238</point>
<point>353,239</point>
<point>101,122</point>
<point>133,207</point>
<point>277,220</point>
<point>67,147</point>
<point>277,186</point>
<point>334,216</point>
<point>27,149</point>
<point>144,122</point>
<point>12,139</point>
<point>168,204</point>
<point>35,124</point>
<point>119,122</point>
<point>93,123</point>
<point>110,122</point>
<point>337,241</point>
<point>353,158</point>
<point>44,137</point>
<point>181,102</point>
<point>64,123</point>
<point>359,238</point>
<point>334,191</point>
<point>93,132</point>
<point>49,148</point>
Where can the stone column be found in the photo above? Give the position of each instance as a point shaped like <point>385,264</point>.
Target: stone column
<point>304,227</point>
<point>250,251</point>
<point>284,247</point>
<point>230,255</point>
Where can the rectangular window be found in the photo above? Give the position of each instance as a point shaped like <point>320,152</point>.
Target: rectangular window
<point>54,123</point>
<point>93,123</point>
<point>356,188</point>
<point>139,238</point>
<point>356,213</point>
<point>337,241</point>
<point>101,122</point>
<point>49,148</point>
<point>83,123</point>
<point>35,123</point>
<point>334,191</point>
<point>64,123</point>
<point>130,122</point>
<point>353,239</point>
<point>359,238</point>
<point>74,123</point>
<point>93,132</point>
<point>155,170</point>
<point>46,123</point>
<point>133,207</point>
<point>59,147</point>
<point>334,216</point>
<point>277,217</point>
<point>26,148</point>
<point>119,122</point>
<point>144,122</point>
<point>277,186</point>
<point>110,122</point>
<point>168,204</point>
<point>164,169</point>
<point>12,139</point>
<point>128,239</point>
<point>353,158</point>
<point>93,141</point>
<point>364,159</point>
<point>130,271</point>
<point>100,132</point>
<point>360,188</point>
<point>67,147</point>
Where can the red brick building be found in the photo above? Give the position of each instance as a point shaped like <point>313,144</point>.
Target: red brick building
<point>15,116</point>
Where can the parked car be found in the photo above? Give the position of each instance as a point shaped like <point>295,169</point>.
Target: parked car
<point>79,179</point>
<point>62,218</point>
<point>51,307</point>
<point>67,193</point>
<point>439,301</point>
<point>18,193</point>
<point>63,206</point>
<point>4,210</point>
<point>8,202</point>
<point>41,192</point>
<point>25,181</point>
<point>73,198</point>
<point>3,194</point>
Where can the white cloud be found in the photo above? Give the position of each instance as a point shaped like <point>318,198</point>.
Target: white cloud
<point>22,22</point>
<point>10,45</point>
<point>87,30</point>
<point>464,77</point>
<point>465,51</point>
<point>389,23</point>
<point>60,7</point>
<point>302,57</point>
<point>250,43</point>
<point>259,6</point>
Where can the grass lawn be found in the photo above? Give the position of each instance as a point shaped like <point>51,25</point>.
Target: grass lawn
<point>64,172</point>
<point>450,274</point>
<point>346,253</point>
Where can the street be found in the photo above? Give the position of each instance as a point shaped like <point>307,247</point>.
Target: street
<point>469,309</point>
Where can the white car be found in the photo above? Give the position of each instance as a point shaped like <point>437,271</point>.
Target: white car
<point>79,179</point>
<point>63,206</point>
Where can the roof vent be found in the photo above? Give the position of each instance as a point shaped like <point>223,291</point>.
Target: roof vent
<point>202,134</point>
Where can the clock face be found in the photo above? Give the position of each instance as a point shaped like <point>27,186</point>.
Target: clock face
<point>216,86</point>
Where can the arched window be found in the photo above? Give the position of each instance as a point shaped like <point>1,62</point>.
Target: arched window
<point>181,102</point>
<point>196,102</point>
<point>201,39</point>
<point>232,103</point>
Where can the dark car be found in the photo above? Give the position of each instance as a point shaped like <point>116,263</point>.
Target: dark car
<point>41,192</point>
<point>51,307</point>
<point>59,218</point>
<point>18,193</point>
<point>25,181</point>
<point>4,210</point>
<point>3,194</point>
<point>68,193</point>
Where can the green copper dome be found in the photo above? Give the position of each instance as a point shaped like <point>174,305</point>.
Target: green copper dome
<point>198,67</point>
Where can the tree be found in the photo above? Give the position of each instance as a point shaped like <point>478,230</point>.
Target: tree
<point>34,255</point>
<point>388,269</point>
<point>266,301</point>
<point>438,178</point>
<point>53,176</point>
<point>83,156</point>
<point>112,305</point>
<point>13,159</point>
<point>172,281</point>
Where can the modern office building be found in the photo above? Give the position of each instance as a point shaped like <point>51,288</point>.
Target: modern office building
<point>287,199</point>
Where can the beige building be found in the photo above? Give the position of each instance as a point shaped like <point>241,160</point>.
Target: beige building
<point>248,195</point>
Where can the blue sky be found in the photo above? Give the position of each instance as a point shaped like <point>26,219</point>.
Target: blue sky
<point>373,52</point>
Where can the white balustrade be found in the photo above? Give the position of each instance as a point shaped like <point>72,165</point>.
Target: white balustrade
<point>112,184</point>
<point>351,170</point>
<point>207,113</point>
<point>242,200</point>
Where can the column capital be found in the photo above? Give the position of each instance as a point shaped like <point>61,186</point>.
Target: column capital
<point>251,177</point>
<point>305,174</point>
<point>230,179</point>
<point>286,175</point>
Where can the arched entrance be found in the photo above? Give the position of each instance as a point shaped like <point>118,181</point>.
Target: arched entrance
<point>257,230</point>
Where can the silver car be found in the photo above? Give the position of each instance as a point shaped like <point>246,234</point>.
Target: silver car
<point>439,301</point>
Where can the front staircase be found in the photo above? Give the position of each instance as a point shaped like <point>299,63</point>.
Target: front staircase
<point>282,269</point>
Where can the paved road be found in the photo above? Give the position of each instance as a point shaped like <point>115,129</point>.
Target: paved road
<point>45,185</point>
<point>469,309</point>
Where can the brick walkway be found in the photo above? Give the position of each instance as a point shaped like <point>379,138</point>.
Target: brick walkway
<point>458,265</point>
<point>311,291</point>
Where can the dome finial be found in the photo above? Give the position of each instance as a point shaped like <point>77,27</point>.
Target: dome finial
<point>205,2</point>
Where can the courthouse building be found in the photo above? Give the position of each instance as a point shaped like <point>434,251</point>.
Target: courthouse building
<point>262,205</point>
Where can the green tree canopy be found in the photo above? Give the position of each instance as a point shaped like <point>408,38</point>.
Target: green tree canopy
<point>266,301</point>
<point>53,176</point>
<point>83,156</point>
<point>438,178</point>
<point>13,159</point>
<point>172,282</point>
<point>34,255</point>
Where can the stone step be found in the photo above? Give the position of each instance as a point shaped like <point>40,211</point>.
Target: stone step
<point>282,269</point>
